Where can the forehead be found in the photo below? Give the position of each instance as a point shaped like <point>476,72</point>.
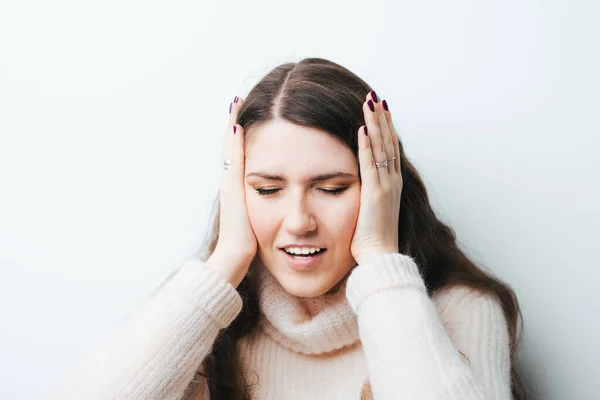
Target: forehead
<point>282,147</point>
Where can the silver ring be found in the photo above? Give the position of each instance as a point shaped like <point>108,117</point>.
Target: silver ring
<point>381,164</point>
<point>393,158</point>
<point>226,164</point>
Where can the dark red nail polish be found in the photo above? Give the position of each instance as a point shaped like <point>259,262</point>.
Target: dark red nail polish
<point>371,105</point>
<point>235,100</point>
<point>366,131</point>
<point>234,129</point>
<point>374,96</point>
<point>230,104</point>
<point>385,105</point>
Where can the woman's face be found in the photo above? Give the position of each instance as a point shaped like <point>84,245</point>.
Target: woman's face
<point>282,162</point>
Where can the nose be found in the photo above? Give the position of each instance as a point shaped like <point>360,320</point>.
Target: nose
<point>299,219</point>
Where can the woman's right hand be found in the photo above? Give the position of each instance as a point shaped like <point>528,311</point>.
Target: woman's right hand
<point>237,245</point>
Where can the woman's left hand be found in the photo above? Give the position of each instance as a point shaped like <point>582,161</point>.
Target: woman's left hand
<point>377,225</point>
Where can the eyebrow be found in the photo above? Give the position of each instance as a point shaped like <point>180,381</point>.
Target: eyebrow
<point>316,178</point>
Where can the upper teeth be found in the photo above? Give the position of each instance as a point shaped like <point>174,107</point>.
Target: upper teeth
<point>302,250</point>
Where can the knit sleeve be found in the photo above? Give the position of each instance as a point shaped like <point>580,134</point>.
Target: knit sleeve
<point>412,343</point>
<point>156,353</point>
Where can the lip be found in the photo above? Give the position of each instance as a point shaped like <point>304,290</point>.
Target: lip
<point>301,245</point>
<point>302,263</point>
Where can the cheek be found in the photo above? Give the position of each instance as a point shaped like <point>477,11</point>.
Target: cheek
<point>259,217</point>
<point>344,217</point>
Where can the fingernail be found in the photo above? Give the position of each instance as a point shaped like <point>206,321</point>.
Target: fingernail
<point>235,100</point>
<point>385,105</point>
<point>230,104</point>
<point>234,129</point>
<point>374,96</point>
<point>371,105</point>
<point>366,131</point>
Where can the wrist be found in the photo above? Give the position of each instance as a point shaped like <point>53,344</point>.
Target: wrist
<point>233,270</point>
<point>367,257</point>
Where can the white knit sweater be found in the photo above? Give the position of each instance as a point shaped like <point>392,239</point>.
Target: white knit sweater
<point>381,326</point>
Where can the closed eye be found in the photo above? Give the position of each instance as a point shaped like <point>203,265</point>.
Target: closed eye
<point>333,192</point>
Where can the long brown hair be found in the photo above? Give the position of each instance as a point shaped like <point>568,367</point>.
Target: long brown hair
<point>321,94</point>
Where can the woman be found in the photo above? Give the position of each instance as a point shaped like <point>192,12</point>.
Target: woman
<point>328,275</point>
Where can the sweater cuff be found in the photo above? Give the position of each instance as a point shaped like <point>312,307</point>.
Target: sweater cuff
<point>203,285</point>
<point>386,271</point>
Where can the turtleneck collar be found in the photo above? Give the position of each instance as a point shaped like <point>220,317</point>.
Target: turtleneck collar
<point>306,325</point>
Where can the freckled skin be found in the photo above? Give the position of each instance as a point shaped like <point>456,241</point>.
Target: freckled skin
<point>299,212</point>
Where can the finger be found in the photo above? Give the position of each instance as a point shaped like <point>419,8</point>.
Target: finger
<point>368,171</point>
<point>233,152</point>
<point>234,107</point>
<point>233,110</point>
<point>386,136</point>
<point>377,145</point>
<point>393,135</point>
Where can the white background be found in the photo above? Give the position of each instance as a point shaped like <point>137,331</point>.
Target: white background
<point>111,116</point>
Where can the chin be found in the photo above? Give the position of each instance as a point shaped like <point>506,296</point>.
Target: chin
<point>301,288</point>
<point>306,285</point>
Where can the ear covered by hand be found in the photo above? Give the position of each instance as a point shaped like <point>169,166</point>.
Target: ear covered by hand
<point>379,158</point>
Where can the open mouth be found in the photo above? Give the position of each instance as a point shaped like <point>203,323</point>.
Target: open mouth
<point>308,255</point>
